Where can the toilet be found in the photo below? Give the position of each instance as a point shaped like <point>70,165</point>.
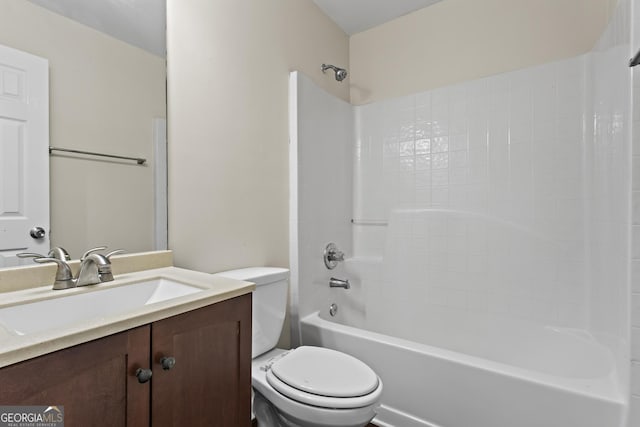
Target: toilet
<point>306,386</point>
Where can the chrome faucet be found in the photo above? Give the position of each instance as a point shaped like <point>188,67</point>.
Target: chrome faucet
<point>64,275</point>
<point>339,283</point>
<point>94,268</point>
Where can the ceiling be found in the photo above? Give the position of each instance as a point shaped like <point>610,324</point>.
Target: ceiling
<point>354,16</point>
<point>137,22</point>
<point>142,22</point>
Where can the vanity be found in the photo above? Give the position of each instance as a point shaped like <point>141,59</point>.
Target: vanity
<point>156,346</point>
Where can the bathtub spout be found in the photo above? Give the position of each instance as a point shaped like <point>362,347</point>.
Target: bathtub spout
<point>339,283</point>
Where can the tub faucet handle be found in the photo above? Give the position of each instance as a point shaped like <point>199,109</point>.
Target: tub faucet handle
<point>332,256</point>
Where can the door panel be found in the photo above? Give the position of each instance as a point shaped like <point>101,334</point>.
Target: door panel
<point>210,384</point>
<point>95,382</point>
<point>24,158</point>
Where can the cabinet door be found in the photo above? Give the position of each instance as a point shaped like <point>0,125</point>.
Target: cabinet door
<point>210,383</point>
<point>95,381</point>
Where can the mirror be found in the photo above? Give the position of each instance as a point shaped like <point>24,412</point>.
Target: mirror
<point>107,94</point>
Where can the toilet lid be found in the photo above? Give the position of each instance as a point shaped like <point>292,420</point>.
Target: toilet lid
<point>316,400</point>
<point>324,372</point>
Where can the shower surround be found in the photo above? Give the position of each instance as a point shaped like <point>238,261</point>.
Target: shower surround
<point>486,224</point>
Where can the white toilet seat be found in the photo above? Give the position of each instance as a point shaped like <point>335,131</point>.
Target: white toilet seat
<point>322,401</point>
<point>324,378</point>
<point>303,414</point>
<point>326,372</point>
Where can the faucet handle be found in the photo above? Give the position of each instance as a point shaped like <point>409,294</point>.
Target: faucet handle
<point>336,255</point>
<point>64,276</point>
<point>116,252</point>
<point>332,256</point>
<point>94,268</point>
<point>104,268</point>
<point>57,252</point>
<point>90,251</point>
<point>30,255</point>
<point>60,253</point>
<point>103,264</point>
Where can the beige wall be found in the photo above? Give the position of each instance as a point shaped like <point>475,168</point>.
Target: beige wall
<point>228,69</point>
<point>458,40</point>
<point>103,96</point>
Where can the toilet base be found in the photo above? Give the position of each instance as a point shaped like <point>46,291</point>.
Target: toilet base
<point>268,416</point>
<point>266,413</point>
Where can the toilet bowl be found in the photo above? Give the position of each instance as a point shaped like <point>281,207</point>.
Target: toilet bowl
<point>306,386</point>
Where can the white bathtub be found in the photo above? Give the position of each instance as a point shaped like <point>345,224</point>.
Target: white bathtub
<point>500,380</point>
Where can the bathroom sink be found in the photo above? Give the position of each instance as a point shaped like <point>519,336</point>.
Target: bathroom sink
<point>80,308</point>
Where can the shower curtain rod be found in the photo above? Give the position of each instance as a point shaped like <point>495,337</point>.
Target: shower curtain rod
<point>138,160</point>
<point>360,221</point>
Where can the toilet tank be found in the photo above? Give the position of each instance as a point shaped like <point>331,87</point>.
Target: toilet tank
<point>269,304</point>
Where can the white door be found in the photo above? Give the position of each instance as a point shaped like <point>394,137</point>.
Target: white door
<point>24,156</point>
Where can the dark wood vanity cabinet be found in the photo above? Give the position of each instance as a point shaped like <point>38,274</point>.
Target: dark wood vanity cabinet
<point>208,385</point>
<point>95,381</point>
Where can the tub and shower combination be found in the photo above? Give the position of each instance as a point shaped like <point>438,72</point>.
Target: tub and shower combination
<point>486,230</point>
<point>573,383</point>
<point>467,357</point>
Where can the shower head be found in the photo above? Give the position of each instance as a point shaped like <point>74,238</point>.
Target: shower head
<point>341,73</point>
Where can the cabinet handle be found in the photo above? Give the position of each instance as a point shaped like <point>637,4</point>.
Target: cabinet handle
<point>168,363</point>
<point>143,375</point>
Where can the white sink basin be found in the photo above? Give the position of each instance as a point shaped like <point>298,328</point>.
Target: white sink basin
<point>79,308</point>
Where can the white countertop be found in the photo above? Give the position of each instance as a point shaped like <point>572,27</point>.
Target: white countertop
<point>16,348</point>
